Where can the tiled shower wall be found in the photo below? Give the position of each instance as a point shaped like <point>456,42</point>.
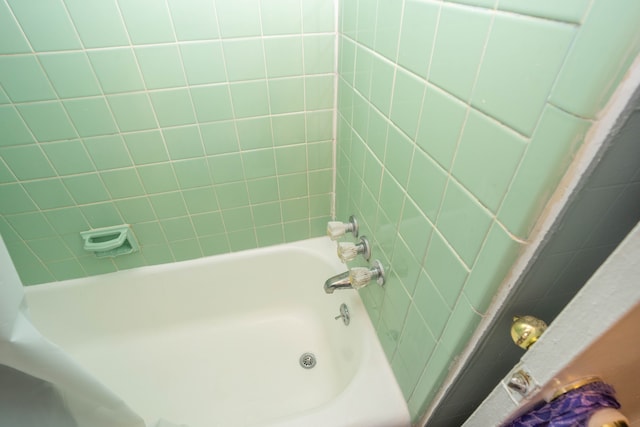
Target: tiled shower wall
<point>456,121</point>
<point>206,125</point>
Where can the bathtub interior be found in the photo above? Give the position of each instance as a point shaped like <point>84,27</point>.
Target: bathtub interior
<point>214,341</point>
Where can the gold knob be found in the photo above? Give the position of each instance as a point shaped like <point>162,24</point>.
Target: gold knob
<point>526,330</point>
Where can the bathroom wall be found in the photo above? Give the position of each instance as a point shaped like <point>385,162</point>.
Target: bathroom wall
<point>456,121</point>
<point>207,125</point>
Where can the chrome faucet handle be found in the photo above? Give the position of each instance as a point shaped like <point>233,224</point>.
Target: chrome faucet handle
<point>337,229</point>
<point>359,277</point>
<point>347,251</point>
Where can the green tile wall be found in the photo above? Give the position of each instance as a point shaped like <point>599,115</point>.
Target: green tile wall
<point>207,125</point>
<point>456,121</point>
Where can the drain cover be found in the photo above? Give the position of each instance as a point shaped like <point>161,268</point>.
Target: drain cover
<point>308,360</point>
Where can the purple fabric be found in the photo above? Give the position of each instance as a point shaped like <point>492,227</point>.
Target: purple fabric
<point>572,409</point>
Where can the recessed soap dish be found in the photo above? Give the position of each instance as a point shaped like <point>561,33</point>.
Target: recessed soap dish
<point>110,241</point>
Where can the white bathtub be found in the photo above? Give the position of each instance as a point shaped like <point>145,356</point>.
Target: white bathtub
<point>216,341</point>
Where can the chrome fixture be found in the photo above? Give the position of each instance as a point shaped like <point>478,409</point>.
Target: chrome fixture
<point>336,229</point>
<point>344,314</point>
<point>307,360</point>
<point>356,278</point>
<point>347,251</point>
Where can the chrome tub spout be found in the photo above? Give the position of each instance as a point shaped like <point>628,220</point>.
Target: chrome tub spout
<point>339,281</point>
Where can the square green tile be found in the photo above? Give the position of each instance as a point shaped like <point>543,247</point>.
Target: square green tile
<point>48,193</point>
<point>364,67</point>
<point>149,233</point>
<point>291,159</point>
<point>416,342</point>
<point>348,18</point>
<point>158,178</point>
<point>161,66</point>
<point>346,60</point>
<point>445,269</point>
<point>318,16</point>
<point>238,18</point>
<point>319,125</point>
<point>415,230</point>
<point>417,35</point>
<point>232,195</point>
<point>200,200</point>
<point>383,75</point>
<point>366,26</point>
<point>320,208</point>
<point>570,11</point>
<point>168,205</point>
<point>406,376</point>
<point>463,222</point>
<point>426,184</point>
<point>214,245</point>
<point>582,89</point>
<point>242,240</point>
<point>31,225</point>
<point>5,173</point>
<point>203,62</point>
<point>319,54</point>
<point>287,95</point>
<point>320,181</point>
<point>49,29</point>
<point>392,198</point>
<point>254,133</point>
<point>102,215</point>
<point>259,163</point>
<point>27,161</point>
<point>289,129</point>
<point>457,54</point>
<point>67,220</point>
<point>178,229</point>
<point>553,145</point>
<point>292,186</point>
<point>135,210</point>
<point>12,38</point>
<point>430,304</point>
<point>14,130</point>
<point>122,183</point>
<point>270,235</point>
<point>208,223</point>
<point>267,214</point>
<point>388,28</point>
<point>320,155</point>
<point>250,99</point>
<point>226,168</point>
<point>283,56</point>
<point>521,61</point>
<point>147,21</point>
<point>212,103</point>
<point>48,121</point>
<point>20,200</point>
<point>244,59</point>
<point>296,230</point>
<point>117,70</point>
<point>494,262</point>
<point>183,142</point>
<point>134,260</point>
<point>319,92</point>
<point>91,116</point>
<point>461,326</point>
<point>237,219</point>
<point>157,254</point>
<point>440,124</point>
<point>192,173</point>
<point>295,210</point>
<point>132,111</point>
<point>86,188</point>
<point>399,155</point>
<point>484,145</point>
<point>407,102</point>
<point>24,80</point>
<point>194,19</point>
<point>146,147</point>
<point>219,138</point>
<point>50,249</point>
<point>281,17</point>
<point>263,190</point>
<point>186,250</point>
<point>173,107</point>
<point>108,152</point>
<point>70,74</point>
<point>99,23</point>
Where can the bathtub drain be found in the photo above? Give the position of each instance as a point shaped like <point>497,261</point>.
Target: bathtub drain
<point>308,360</point>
